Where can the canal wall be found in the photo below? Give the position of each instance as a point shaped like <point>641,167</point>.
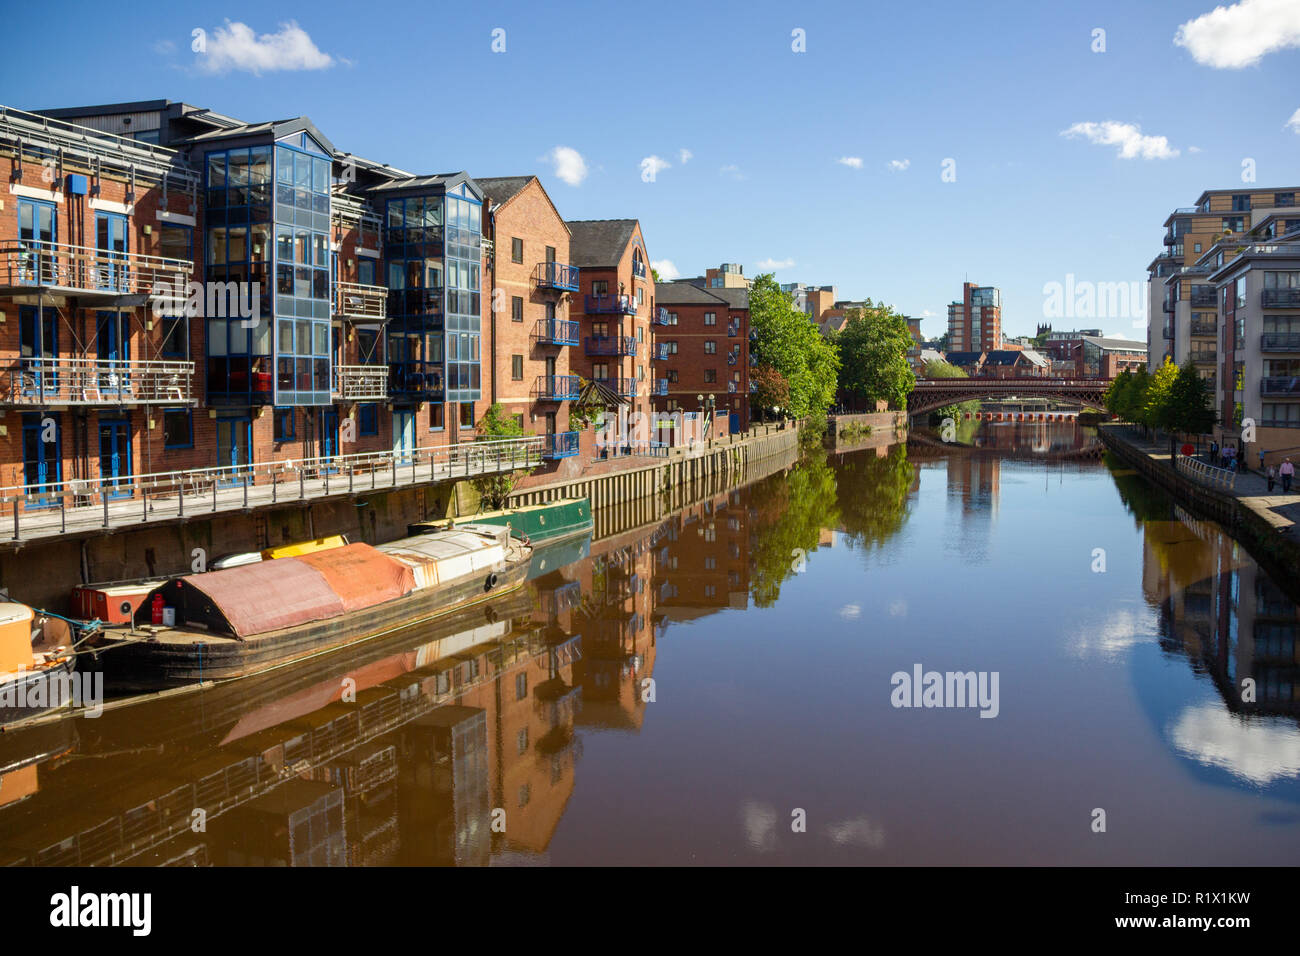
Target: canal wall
<point>1269,537</point>
<point>44,572</point>
<point>864,430</point>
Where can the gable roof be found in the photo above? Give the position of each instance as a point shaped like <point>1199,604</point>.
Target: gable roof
<point>734,297</point>
<point>1003,357</point>
<point>681,292</point>
<point>277,128</point>
<point>599,242</point>
<point>963,358</point>
<point>503,189</point>
<point>445,180</point>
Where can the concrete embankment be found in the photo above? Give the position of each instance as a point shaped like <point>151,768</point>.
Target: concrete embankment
<point>1265,523</point>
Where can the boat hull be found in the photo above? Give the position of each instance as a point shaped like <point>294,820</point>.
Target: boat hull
<point>542,524</point>
<point>49,685</point>
<point>143,665</point>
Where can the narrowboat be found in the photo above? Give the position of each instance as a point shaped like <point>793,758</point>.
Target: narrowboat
<point>249,619</point>
<point>34,671</point>
<point>545,523</point>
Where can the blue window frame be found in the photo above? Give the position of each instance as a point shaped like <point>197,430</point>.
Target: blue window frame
<point>42,460</point>
<point>111,245</point>
<point>285,424</point>
<point>178,428</point>
<point>368,419</point>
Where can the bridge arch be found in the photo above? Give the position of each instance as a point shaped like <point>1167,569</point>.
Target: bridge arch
<point>932,394</point>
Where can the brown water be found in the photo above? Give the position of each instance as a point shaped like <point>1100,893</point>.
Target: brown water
<point>770,619</point>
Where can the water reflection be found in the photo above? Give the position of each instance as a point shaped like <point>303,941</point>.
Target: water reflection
<point>523,733</point>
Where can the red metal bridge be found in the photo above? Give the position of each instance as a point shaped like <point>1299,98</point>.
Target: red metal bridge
<point>932,393</point>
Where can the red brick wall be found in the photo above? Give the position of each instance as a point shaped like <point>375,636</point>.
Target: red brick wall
<point>691,361</point>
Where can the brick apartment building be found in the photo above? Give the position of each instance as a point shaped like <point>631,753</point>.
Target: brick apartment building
<point>704,349</point>
<point>372,328</point>
<point>975,323</point>
<point>615,311</point>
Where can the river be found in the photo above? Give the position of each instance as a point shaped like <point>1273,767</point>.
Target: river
<point>725,685</point>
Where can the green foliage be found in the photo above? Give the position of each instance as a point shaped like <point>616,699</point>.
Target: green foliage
<point>771,390</point>
<point>784,340</point>
<point>872,495</point>
<point>1127,395</point>
<point>1191,401</point>
<point>956,411</point>
<point>812,434</point>
<point>582,414</point>
<point>1159,411</point>
<point>855,430</point>
<point>789,512</point>
<point>494,490</point>
<point>873,355</point>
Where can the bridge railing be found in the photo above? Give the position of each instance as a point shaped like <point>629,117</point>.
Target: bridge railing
<point>1208,474</point>
<point>978,383</point>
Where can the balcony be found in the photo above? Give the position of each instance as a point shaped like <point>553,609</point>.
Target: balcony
<point>559,276</point>
<point>638,268</point>
<point>27,265</point>
<point>424,302</point>
<point>1280,298</point>
<point>1279,342</point>
<point>419,380</point>
<point>1171,240</point>
<point>1203,297</point>
<point>1286,386</point>
<point>661,317</point>
<point>733,329</point>
<point>557,388</point>
<point>622,387</point>
<point>733,387</point>
<point>38,383</point>
<point>1167,332</point>
<point>659,387</point>
<point>560,445</point>
<point>611,345</point>
<point>660,352</point>
<point>609,305</point>
<point>1204,328</point>
<point>355,301</point>
<point>556,332</point>
<point>1206,356</point>
<point>733,358</point>
<point>360,383</point>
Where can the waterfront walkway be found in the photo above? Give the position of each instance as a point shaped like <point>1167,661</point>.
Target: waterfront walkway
<point>1281,511</point>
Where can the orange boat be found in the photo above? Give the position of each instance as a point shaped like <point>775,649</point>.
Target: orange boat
<point>34,670</point>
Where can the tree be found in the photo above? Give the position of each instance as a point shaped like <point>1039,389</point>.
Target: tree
<point>1159,410</point>
<point>873,355</point>
<point>947,370</point>
<point>770,389</point>
<point>494,490</point>
<point>1190,401</point>
<point>784,340</point>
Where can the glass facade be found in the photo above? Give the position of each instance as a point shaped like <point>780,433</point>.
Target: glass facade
<point>433,262</point>
<point>267,217</point>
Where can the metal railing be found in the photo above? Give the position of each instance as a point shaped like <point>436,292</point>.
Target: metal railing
<point>1203,297</point>
<point>28,262</point>
<point>1208,474</point>
<point>660,352</point>
<point>1280,385</point>
<point>1204,328</point>
<point>1279,342</point>
<point>556,332</point>
<point>1280,298</point>
<point>37,383</point>
<point>609,304</point>
<point>659,386</point>
<point>560,445</point>
<point>360,382</point>
<point>662,317</point>
<point>58,507</point>
<point>556,275</point>
<point>357,301</point>
<point>557,388</point>
<point>611,345</point>
<point>623,387</point>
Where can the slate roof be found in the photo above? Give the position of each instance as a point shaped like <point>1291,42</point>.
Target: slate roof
<point>963,358</point>
<point>1002,357</point>
<point>681,292</point>
<point>501,189</point>
<point>1124,345</point>
<point>413,182</point>
<point>599,242</point>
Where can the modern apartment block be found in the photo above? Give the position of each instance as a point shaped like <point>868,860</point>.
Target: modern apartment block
<point>704,350</point>
<point>616,311</point>
<point>1182,321</point>
<point>975,323</point>
<point>813,301</point>
<point>185,292</point>
<point>1258,290</point>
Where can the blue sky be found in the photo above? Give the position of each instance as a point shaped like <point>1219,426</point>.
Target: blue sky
<point>991,86</point>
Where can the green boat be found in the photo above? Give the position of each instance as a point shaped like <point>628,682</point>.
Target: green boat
<point>541,524</point>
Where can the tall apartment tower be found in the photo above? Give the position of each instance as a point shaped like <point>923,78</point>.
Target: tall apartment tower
<point>975,323</point>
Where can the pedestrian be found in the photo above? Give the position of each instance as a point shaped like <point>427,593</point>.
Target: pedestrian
<point>1214,452</point>
<point>1261,459</point>
<point>1271,475</point>
<point>1287,471</point>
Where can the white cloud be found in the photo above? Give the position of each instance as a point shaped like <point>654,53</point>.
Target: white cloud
<point>666,269</point>
<point>1229,38</point>
<point>652,166</point>
<point>851,612</point>
<point>236,47</point>
<point>857,832</point>
<point>926,313</point>
<point>1193,149</point>
<point>1127,136</point>
<point>773,265</point>
<point>684,156</point>
<point>1261,752</point>
<point>569,165</point>
<point>898,165</point>
<point>163,47</point>
<point>1294,122</point>
<point>853,161</point>
<point>732,170</point>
